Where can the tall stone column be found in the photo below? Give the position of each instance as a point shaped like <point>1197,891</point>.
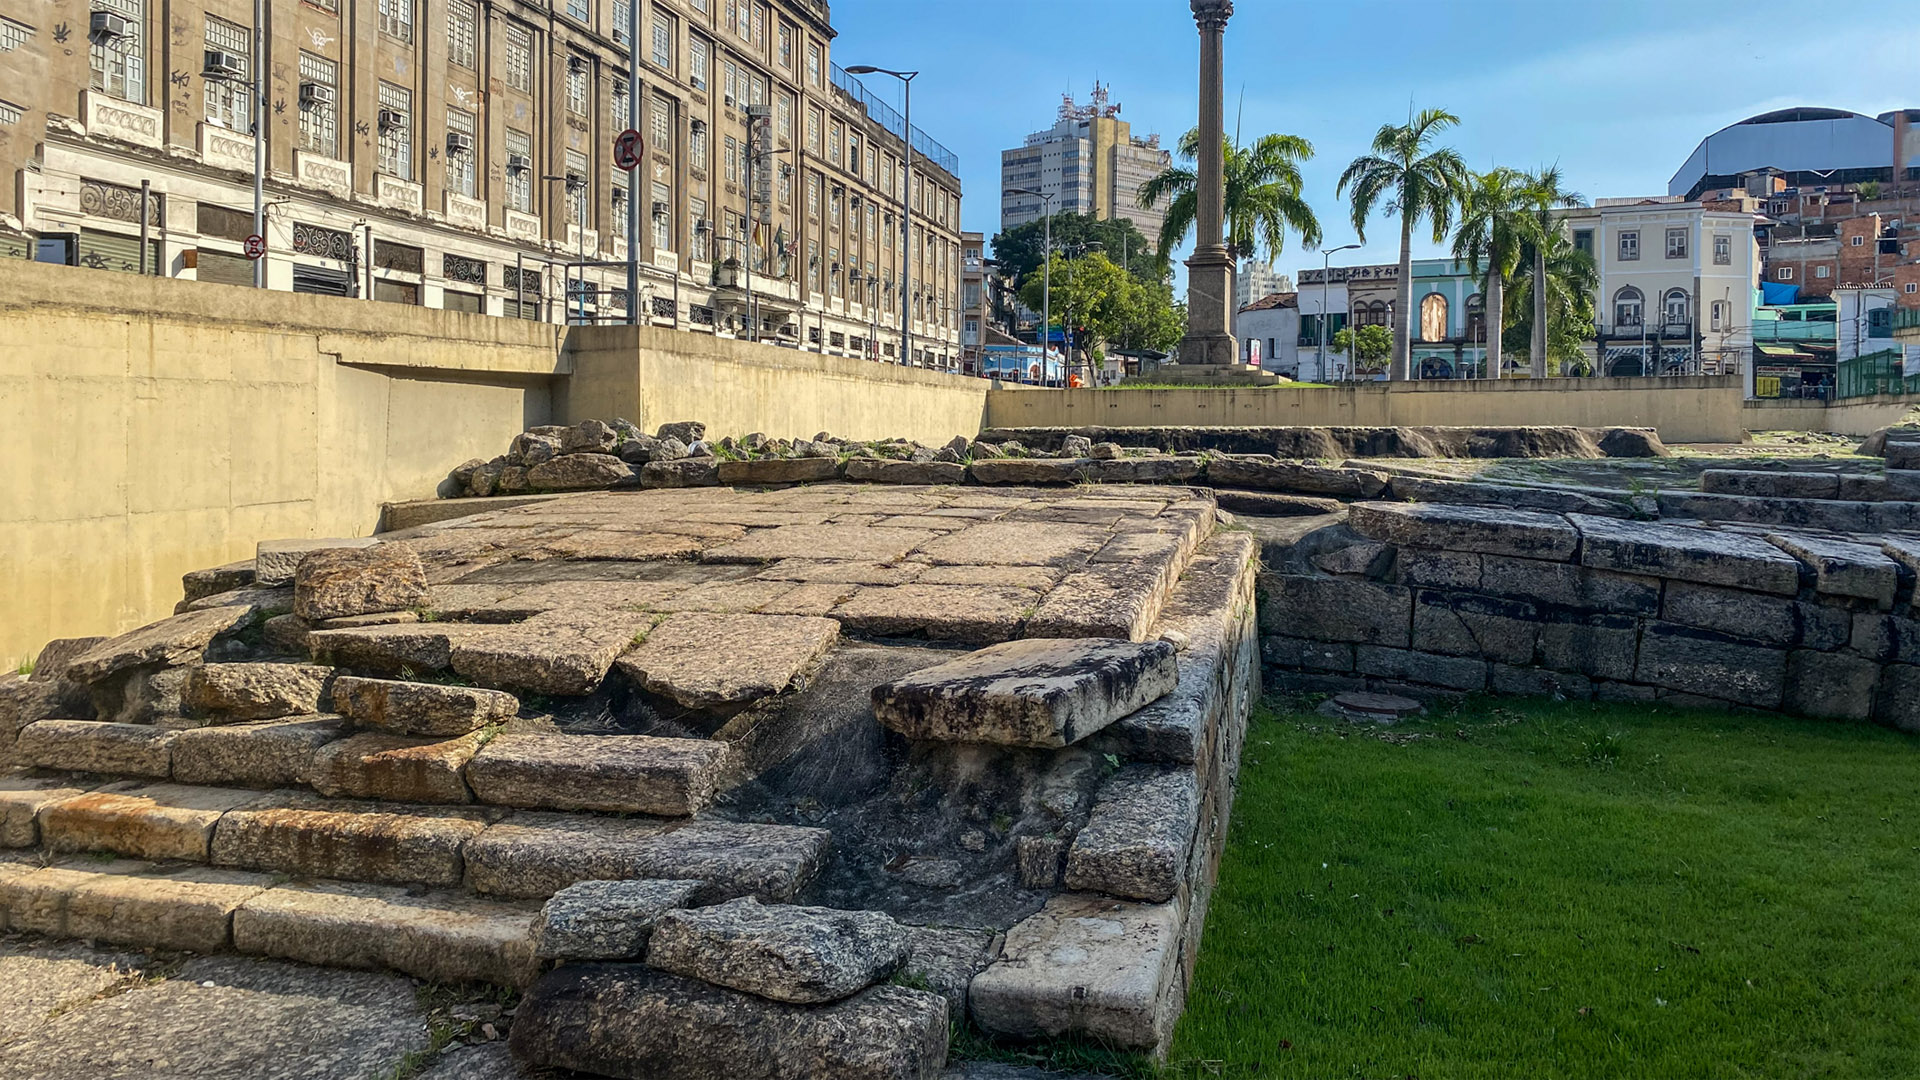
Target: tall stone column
<point>1209,339</point>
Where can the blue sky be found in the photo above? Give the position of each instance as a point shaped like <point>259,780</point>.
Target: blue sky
<point>1617,92</point>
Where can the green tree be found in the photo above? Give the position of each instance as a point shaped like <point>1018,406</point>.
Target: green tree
<point>1018,250</point>
<point>1408,177</point>
<point>1544,194</point>
<point>1114,306</point>
<point>1492,238</point>
<point>1571,279</point>
<point>1149,318</point>
<point>1263,200</point>
<point>1369,345</point>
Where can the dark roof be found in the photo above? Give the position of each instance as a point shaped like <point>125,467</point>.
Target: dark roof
<point>1795,115</point>
<point>1277,300</point>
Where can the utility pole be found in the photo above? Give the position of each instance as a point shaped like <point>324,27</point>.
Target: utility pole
<point>633,174</point>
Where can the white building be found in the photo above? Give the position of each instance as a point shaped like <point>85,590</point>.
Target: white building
<point>1256,281</point>
<point>1270,329</point>
<point>1676,286</point>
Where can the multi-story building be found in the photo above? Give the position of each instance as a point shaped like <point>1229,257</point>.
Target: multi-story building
<point>1805,147</point>
<point>459,153</point>
<point>1447,341</point>
<point>1269,333</point>
<point>1255,280</point>
<point>1676,285</point>
<point>1090,162</point>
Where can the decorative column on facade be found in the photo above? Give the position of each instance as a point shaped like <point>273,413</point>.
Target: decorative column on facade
<point>1209,339</point>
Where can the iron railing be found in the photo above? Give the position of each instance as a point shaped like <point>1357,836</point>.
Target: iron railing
<point>1876,373</point>
<point>889,118</point>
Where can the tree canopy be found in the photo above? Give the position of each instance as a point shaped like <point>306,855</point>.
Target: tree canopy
<point>1373,346</point>
<point>1018,250</point>
<point>1263,197</point>
<point>1114,306</point>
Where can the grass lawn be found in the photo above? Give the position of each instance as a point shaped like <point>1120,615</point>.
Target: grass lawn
<point>1542,890</point>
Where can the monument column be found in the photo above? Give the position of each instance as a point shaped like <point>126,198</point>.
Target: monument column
<point>1209,339</point>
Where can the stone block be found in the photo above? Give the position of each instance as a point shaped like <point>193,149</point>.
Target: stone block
<point>1263,473</point>
<point>1701,662</point>
<point>275,561</point>
<point>683,473</point>
<point>1089,966</point>
<point>1430,569</point>
<point>1886,638</point>
<point>1336,609</point>
<point>1844,567</point>
<point>1422,489</point>
<point>533,854</point>
<point>1158,469</point>
<point>1016,543</point>
<point>1039,860</point>
<point>425,709</point>
<point>1824,514</point>
<point>1483,627</point>
<point>712,661</point>
<point>806,470</point>
<point>1269,504</point>
<point>306,836</point>
<point>944,959</point>
<point>1290,652</point>
<point>881,471</point>
<point>606,920</point>
<point>1567,585</point>
<point>189,908</point>
<point>1774,484</point>
<point>1451,672</point>
<point>1136,841</point>
<point>22,798</point>
<point>440,937</point>
<point>626,774</point>
<point>97,747</point>
<point>1032,471</point>
<point>564,651</point>
<point>1900,697</point>
<point>37,901</point>
<point>396,768</point>
<point>1540,682</point>
<point>976,614</point>
<point>1686,553</point>
<point>861,543</point>
<point>140,821</point>
<point>579,472</point>
<point>57,655</point>
<point>803,955</point>
<point>1365,559</point>
<point>1487,530</point>
<point>199,584</point>
<point>1037,692</point>
<point>1113,600</point>
<point>237,692</point>
<point>170,642</point>
<point>1599,646</point>
<point>587,437</point>
<point>626,1020</point>
<point>1832,686</point>
<point>1736,612</point>
<point>272,753</point>
<point>338,582</point>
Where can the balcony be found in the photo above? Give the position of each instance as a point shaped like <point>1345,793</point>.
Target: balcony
<point>1664,330</point>
<point>1795,331</point>
<point>1906,326</point>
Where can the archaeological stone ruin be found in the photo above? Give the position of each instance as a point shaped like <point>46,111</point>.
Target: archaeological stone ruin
<point>747,757</point>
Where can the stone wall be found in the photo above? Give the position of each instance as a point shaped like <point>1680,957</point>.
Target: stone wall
<point>1446,600</point>
<point>1854,416</point>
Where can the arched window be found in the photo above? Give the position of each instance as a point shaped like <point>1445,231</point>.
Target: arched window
<point>1433,317</point>
<point>1376,314</point>
<point>1476,317</point>
<point>1676,305</point>
<point>1628,307</point>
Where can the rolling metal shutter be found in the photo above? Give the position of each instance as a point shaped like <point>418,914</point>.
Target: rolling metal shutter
<point>316,279</point>
<point>111,251</point>
<point>224,269</point>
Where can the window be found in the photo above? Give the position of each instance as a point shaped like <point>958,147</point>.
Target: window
<point>1823,271</point>
<point>1676,306</point>
<point>577,192</point>
<point>813,130</point>
<point>783,117</point>
<point>662,40</point>
<point>462,29</point>
<point>1880,322</point>
<point>14,34</point>
<point>1676,243</point>
<point>318,119</point>
<point>1785,273</point>
<point>396,18</point>
<point>1718,310</point>
<point>813,196</point>
<point>662,126</point>
<point>813,63</point>
<point>1583,240</point>
<point>1723,250</point>
<point>697,62</point>
<point>617,185</point>
<point>396,131</point>
<point>520,58</point>
<point>1857,241</point>
<point>577,70</point>
<point>1910,288</point>
<point>460,163</point>
<point>228,98</point>
<point>730,83</point>
<point>620,105</point>
<point>873,216</point>
<point>786,185</point>
<point>662,217</point>
<point>1629,246</point>
<point>120,64</point>
<point>622,15</point>
<point>760,20</point>
<point>1433,317</point>
<point>1628,305</point>
<point>700,230</point>
<point>698,145</point>
<point>519,185</point>
<point>834,142</point>
<point>813,266</point>
<point>731,161</point>
<point>581,10</point>
<point>785,54</point>
<point>833,270</point>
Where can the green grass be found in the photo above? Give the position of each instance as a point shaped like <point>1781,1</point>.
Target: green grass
<point>1571,890</point>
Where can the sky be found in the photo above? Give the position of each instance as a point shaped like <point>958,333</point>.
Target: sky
<point>1616,92</point>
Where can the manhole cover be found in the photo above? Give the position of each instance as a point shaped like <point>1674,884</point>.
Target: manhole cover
<point>1370,707</point>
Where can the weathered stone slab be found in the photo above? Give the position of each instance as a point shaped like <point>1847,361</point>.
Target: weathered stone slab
<point>682,473</point>
<point>1111,600</point>
<point>1481,627</point>
<point>273,753</point>
<point>705,661</point>
<point>441,937</point>
<point>1827,514</point>
<point>37,901</point>
<point>1405,665</point>
<point>397,649</point>
<point>1482,529</point>
<point>967,613</point>
<point>1016,543</point>
<point>536,854</point>
<point>1699,662</point>
<point>1566,585</point>
<point>588,437</point>
<point>1336,609</point>
<point>1776,484</point>
<point>1539,682</point>
<point>1832,686</point>
<point>1599,646</point>
<point>1037,692</point>
<point>1136,841</point>
<point>817,572</point>
<point>1844,567</point>
<point>857,543</point>
<point>275,561</point>
<point>306,836</point>
<point>629,1021</point>
<point>188,908</point>
<point>579,472</point>
<point>805,470</point>
<point>1900,697</point>
<point>260,603</point>
<point>1263,473</point>
<point>1158,469</point>
<point>1030,470</point>
<point>197,584</point>
<point>338,582</point>
<point>1291,652</point>
<point>172,641</point>
<point>239,692</point>
<point>140,821</point>
<point>1423,489</point>
<point>564,651</point>
<point>1709,556</point>
<point>92,746</point>
<point>1012,577</point>
<point>1089,966</point>
<point>394,767</point>
<point>22,798</point>
<point>425,709</point>
<point>60,653</point>
<point>881,471</point>
<point>804,955</point>
<point>620,545</point>
<point>606,920</point>
<point>636,774</point>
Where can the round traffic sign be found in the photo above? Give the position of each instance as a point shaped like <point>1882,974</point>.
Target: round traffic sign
<point>627,149</point>
<point>256,246</point>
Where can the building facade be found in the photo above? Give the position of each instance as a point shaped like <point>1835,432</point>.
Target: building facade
<point>459,154</point>
<point>1446,341</point>
<point>1805,147</point>
<point>1269,332</point>
<point>1255,280</point>
<point>1090,162</point>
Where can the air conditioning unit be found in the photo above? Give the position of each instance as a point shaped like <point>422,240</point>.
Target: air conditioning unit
<point>389,120</point>
<point>576,181</point>
<point>313,93</point>
<point>703,226</point>
<point>576,63</point>
<point>660,209</point>
<point>107,25</point>
<point>221,64</point>
<point>459,144</point>
<point>519,164</point>
<point>619,194</point>
<point>729,101</point>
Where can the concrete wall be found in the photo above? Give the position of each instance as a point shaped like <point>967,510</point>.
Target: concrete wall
<point>1856,416</point>
<point>159,426</point>
<point>1685,410</point>
<point>653,376</point>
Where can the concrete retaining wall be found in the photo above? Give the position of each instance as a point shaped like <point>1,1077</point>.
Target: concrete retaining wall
<point>1855,416</point>
<point>1693,409</point>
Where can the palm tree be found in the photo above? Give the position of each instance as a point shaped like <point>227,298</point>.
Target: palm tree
<point>1567,302</point>
<point>1263,198</point>
<point>1419,183</point>
<point>1493,234</point>
<point>1544,195</point>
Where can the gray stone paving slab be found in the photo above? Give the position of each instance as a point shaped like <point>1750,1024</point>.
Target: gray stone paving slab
<point>38,981</point>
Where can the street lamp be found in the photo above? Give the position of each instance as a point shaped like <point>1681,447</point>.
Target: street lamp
<point>1046,280</point>
<point>1326,271</point>
<point>906,203</point>
<point>255,107</point>
<point>574,186</point>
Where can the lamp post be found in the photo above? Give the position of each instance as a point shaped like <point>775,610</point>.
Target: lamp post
<point>1326,272</point>
<point>1046,286</point>
<point>906,203</point>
